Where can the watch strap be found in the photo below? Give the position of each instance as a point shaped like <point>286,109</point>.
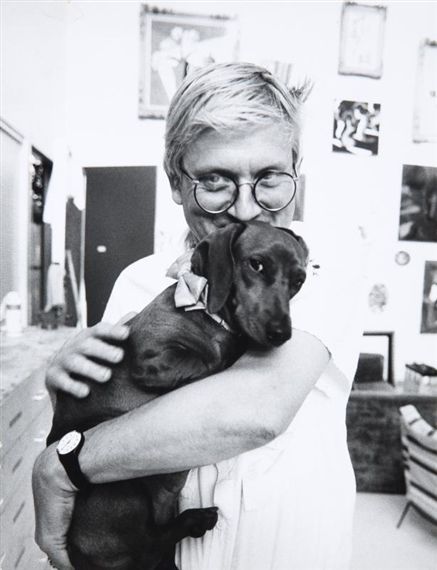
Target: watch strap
<point>70,462</point>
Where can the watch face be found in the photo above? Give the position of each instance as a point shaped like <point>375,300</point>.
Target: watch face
<point>69,442</point>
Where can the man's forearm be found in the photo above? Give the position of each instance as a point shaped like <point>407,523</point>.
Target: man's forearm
<point>205,422</point>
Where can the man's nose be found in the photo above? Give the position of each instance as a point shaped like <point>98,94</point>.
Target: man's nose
<point>245,207</point>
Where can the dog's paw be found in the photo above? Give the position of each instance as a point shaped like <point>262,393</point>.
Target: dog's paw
<point>197,521</point>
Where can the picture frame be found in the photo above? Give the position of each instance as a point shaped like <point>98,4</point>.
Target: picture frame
<point>356,127</point>
<point>362,40</point>
<point>418,204</point>
<point>429,299</point>
<point>425,104</point>
<point>174,44</point>
<point>379,343</point>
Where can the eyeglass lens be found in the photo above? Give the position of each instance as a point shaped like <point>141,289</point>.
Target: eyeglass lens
<point>273,192</point>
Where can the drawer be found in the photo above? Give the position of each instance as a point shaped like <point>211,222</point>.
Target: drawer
<point>19,408</point>
<point>17,520</point>
<point>25,556</point>
<point>16,465</point>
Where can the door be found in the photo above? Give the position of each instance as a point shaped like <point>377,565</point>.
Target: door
<point>40,236</point>
<point>119,227</point>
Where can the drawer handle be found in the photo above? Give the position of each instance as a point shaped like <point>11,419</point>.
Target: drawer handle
<point>39,395</point>
<point>20,556</point>
<point>15,419</point>
<point>19,511</point>
<point>17,465</point>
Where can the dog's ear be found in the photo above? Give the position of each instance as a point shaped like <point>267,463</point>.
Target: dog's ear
<point>213,258</point>
<point>301,242</point>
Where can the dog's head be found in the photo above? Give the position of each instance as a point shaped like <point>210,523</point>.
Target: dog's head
<point>253,270</point>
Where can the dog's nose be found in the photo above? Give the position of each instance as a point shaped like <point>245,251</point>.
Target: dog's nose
<point>279,331</point>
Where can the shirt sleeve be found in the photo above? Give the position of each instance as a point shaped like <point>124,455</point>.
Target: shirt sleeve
<point>137,286</point>
<point>330,305</point>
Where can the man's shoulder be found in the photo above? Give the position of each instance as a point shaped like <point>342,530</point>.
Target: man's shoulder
<point>147,268</point>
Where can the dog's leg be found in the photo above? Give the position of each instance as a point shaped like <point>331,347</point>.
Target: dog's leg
<point>192,522</point>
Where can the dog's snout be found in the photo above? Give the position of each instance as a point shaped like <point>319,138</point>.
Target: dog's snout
<point>279,331</point>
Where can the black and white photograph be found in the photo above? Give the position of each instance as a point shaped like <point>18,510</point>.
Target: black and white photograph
<point>174,44</point>
<point>356,128</point>
<point>218,285</point>
<point>418,209</point>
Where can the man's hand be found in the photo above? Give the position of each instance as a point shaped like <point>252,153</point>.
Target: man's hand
<point>78,357</point>
<point>53,495</point>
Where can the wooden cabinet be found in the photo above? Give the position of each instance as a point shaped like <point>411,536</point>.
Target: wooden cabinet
<point>26,415</point>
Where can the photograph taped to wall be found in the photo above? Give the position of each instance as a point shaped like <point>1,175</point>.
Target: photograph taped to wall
<point>362,40</point>
<point>356,128</point>
<point>425,108</point>
<point>173,45</point>
<point>429,301</point>
<point>418,211</point>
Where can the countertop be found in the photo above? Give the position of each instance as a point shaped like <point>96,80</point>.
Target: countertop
<point>383,390</point>
<point>22,355</point>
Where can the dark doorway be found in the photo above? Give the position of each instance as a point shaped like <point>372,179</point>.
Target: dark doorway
<point>40,236</point>
<point>119,227</point>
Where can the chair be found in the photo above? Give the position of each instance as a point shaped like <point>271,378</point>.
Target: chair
<point>419,451</point>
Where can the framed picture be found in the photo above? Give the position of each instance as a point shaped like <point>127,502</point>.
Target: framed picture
<point>362,40</point>
<point>418,210</point>
<point>425,106</point>
<point>376,357</point>
<point>172,45</point>
<point>356,128</point>
<point>429,301</point>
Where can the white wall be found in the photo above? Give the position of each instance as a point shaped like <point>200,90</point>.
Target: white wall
<point>33,72</point>
<point>103,129</point>
<point>33,98</point>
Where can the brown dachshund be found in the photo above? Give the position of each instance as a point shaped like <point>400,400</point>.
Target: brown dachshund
<point>253,270</point>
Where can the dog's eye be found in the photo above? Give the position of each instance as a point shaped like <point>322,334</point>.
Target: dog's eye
<point>256,265</point>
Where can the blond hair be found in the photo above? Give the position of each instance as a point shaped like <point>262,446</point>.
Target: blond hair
<point>229,96</point>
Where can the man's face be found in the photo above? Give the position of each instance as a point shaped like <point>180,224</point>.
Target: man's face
<point>242,155</point>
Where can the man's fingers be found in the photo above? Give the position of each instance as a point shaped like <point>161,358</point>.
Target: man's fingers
<point>127,318</point>
<point>97,348</point>
<point>59,559</point>
<point>107,331</point>
<point>83,366</point>
<point>66,384</point>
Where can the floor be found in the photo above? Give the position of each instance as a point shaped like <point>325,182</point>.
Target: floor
<point>379,545</point>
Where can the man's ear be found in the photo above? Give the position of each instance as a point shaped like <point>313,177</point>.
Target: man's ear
<point>176,194</point>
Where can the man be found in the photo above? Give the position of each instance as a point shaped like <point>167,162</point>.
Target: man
<point>268,432</point>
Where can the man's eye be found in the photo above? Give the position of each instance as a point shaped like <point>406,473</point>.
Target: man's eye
<point>256,265</point>
<point>270,179</point>
<point>214,181</point>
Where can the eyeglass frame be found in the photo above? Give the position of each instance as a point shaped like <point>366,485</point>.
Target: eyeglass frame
<point>252,185</point>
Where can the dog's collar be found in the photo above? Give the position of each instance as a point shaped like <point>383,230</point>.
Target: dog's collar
<point>219,320</point>
<point>191,291</point>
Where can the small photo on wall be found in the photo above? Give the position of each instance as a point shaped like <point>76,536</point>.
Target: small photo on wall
<point>418,211</point>
<point>429,302</point>
<point>356,128</point>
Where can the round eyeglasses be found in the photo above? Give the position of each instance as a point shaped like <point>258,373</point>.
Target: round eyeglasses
<point>215,193</point>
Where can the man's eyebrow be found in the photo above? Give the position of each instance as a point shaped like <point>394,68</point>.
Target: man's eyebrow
<point>232,174</point>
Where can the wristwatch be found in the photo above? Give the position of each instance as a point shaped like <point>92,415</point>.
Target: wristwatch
<point>68,450</point>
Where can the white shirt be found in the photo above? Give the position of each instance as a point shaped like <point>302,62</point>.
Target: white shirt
<point>288,504</point>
